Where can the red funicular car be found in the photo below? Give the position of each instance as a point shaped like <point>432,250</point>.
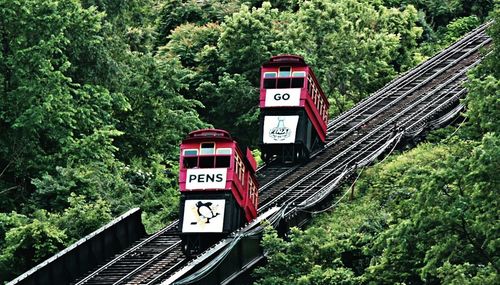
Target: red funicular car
<point>219,191</point>
<point>294,109</point>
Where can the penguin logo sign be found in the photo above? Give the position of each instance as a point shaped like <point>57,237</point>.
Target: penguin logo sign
<point>202,216</point>
<point>205,211</point>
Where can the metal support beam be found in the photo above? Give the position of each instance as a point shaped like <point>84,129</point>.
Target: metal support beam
<point>85,254</point>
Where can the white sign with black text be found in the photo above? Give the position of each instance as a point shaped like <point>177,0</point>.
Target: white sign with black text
<point>280,129</point>
<point>203,216</point>
<point>206,178</point>
<point>289,97</point>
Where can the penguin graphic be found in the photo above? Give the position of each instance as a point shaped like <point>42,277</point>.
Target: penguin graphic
<point>204,211</point>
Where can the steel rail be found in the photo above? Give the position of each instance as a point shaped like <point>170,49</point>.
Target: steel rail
<point>412,90</point>
<point>127,252</point>
<point>142,266</point>
<point>279,177</point>
<point>410,75</point>
<point>410,110</point>
<point>307,177</point>
<point>479,37</point>
<point>166,272</point>
<point>421,122</point>
<point>455,83</point>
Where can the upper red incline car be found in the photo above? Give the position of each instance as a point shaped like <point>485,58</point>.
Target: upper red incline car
<point>294,109</point>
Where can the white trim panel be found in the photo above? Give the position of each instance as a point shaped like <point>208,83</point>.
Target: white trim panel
<point>287,97</point>
<point>206,178</point>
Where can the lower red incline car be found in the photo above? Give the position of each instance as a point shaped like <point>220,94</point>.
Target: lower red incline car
<point>219,191</point>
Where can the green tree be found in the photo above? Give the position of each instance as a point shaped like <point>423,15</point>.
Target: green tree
<point>483,100</point>
<point>132,21</point>
<point>9,221</point>
<point>240,103</point>
<point>81,217</point>
<point>29,244</point>
<point>72,83</point>
<point>159,116</point>
<point>449,217</point>
<point>246,40</point>
<point>426,216</point>
<point>175,13</point>
<point>441,12</point>
<point>48,117</point>
<point>156,190</point>
<point>332,251</point>
<point>209,82</point>
<point>357,47</point>
<point>459,27</point>
<point>196,49</point>
<point>28,241</point>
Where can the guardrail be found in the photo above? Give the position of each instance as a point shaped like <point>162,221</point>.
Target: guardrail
<point>85,254</point>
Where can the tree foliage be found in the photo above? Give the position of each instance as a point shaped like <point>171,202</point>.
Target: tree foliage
<point>358,46</point>
<point>95,96</point>
<point>330,252</point>
<point>246,40</point>
<point>28,241</point>
<point>441,12</point>
<point>426,216</point>
<point>354,47</point>
<point>432,212</point>
<point>159,116</point>
<point>27,245</point>
<point>483,101</point>
<point>49,118</point>
<point>175,13</point>
<point>79,103</point>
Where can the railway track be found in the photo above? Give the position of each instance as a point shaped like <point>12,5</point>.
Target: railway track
<point>403,105</point>
<point>143,262</point>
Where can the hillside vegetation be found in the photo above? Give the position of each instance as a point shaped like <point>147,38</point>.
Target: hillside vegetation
<point>95,96</point>
<point>426,216</point>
